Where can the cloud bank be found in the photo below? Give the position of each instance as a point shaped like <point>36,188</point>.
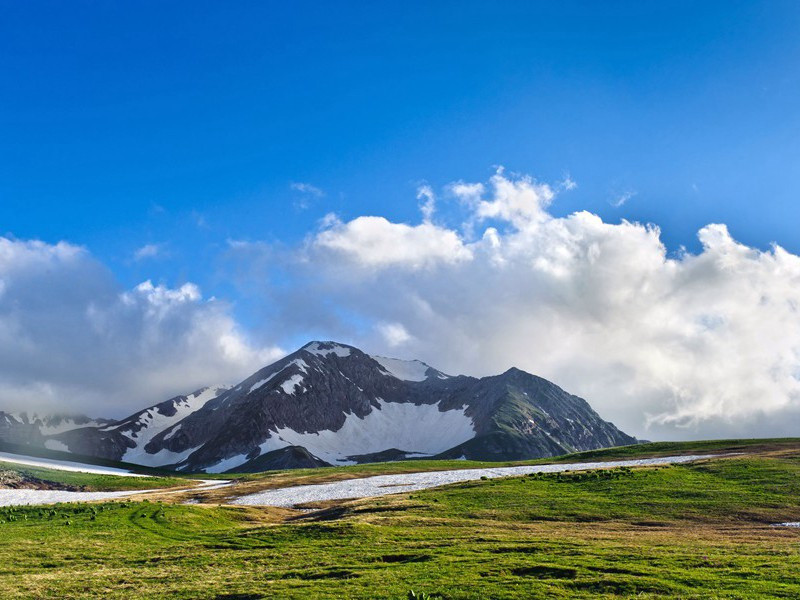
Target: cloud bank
<point>71,340</point>
<point>666,346</point>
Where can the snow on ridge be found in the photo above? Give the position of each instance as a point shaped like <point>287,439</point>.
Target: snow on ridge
<point>405,370</point>
<point>45,422</point>
<point>299,362</point>
<point>326,348</point>
<point>153,423</point>
<point>67,424</point>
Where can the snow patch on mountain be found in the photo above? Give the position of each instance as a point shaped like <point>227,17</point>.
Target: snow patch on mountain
<point>289,385</point>
<point>65,425</point>
<point>413,428</point>
<point>56,445</point>
<point>405,370</point>
<point>153,422</point>
<point>298,362</point>
<point>326,348</point>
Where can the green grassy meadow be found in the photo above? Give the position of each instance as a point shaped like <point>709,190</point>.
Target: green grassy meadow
<point>690,531</point>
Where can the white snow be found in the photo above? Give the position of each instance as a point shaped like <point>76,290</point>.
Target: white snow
<point>228,464</point>
<point>153,423</point>
<point>20,497</point>
<point>175,430</point>
<point>65,425</point>
<point>315,348</point>
<point>382,485</point>
<point>27,497</point>
<point>301,364</point>
<point>789,524</point>
<point>163,457</point>
<point>64,465</point>
<point>260,382</point>
<point>288,385</point>
<point>406,370</point>
<point>422,429</point>
<point>56,445</point>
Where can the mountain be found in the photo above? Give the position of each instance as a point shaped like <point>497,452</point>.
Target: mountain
<point>332,404</point>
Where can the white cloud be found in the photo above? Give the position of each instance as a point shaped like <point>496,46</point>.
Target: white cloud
<point>665,345</point>
<point>427,202</point>
<point>375,243</point>
<point>306,193</point>
<point>307,188</point>
<point>568,184</point>
<point>72,339</point>
<point>622,198</point>
<point>394,333</point>
<point>685,345</point>
<point>147,251</point>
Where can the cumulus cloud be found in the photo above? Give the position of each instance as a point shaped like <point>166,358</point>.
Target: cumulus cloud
<point>376,243</point>
<point>72,340</point>
<point>664,345</point>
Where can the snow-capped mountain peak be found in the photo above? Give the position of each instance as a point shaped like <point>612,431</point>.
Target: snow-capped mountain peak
<point>331,404</point>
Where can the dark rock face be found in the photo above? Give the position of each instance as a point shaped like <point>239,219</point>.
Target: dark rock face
<point>330,403</point>
<point>291,457</point>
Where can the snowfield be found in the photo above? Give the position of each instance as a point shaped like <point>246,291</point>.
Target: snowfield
<point>383,485</point>
<point>421,429</point>
<point>64,465</point>
<point>405,370</point>
<point>153,423</point>
<point>28,497</point>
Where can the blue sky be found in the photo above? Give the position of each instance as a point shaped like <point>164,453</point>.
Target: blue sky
<point>112,112</point>
<point>183,126</point>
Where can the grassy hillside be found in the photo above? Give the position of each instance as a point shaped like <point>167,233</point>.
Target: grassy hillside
<point>690,531</point>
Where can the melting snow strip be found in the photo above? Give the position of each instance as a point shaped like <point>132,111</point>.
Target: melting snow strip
<point>28,497</point>
<point>382,485</point>
<point>64,465</point>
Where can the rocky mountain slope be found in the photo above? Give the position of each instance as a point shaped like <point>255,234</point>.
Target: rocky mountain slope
<point>332,404</point>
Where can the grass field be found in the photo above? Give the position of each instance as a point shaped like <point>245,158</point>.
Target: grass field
<point>691,531</point>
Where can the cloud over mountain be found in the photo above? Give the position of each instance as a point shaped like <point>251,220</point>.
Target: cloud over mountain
<point>71,339</point>
<point>663,344</point>
<point>685,344</point>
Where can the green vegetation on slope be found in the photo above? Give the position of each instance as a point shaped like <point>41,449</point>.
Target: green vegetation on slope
<point>691,531</point>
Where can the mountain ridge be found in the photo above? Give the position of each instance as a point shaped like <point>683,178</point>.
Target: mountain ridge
<point>329,403</point>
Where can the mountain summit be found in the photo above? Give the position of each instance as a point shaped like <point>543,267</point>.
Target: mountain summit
<point>332,404</point>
